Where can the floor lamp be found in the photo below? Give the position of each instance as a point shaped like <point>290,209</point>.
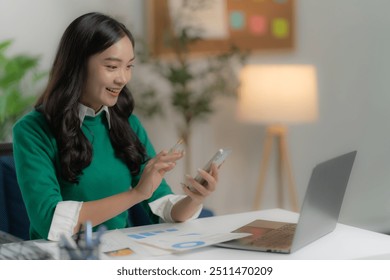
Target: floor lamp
<point>277,95</point>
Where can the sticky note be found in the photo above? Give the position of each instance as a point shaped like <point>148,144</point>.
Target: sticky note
<point>257,25</point>
<point>280,28</point>
<point>237,20</point>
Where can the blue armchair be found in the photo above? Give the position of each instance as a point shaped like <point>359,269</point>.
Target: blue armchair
<point>13,214</point>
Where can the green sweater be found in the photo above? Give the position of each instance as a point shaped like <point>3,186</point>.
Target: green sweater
<point>37,166</point>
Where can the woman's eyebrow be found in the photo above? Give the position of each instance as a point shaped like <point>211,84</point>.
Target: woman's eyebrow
<point>111,58</point>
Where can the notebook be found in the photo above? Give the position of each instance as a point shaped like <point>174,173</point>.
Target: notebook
<point>319,213</point>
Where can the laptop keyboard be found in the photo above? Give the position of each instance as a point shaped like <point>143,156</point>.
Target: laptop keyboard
<point>277,238</point>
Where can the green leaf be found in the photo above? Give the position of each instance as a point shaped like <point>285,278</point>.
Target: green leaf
<point>16,69</point>
<point>4,45</point>
<point>179,75</point>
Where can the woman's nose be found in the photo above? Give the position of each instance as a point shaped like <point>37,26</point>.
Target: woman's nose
<point>123,77</point>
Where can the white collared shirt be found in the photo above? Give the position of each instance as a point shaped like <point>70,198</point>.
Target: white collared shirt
<point>85,111</point>
<point>67,213</point>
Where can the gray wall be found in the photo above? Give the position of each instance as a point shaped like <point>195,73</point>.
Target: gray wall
<point>346,40</point>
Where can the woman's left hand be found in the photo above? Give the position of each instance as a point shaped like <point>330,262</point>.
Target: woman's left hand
<point>200,192</point>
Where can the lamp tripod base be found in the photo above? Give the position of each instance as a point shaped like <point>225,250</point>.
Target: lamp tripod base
<point>278,134</point>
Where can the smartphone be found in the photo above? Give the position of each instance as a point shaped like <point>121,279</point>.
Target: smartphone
<point>218,158</point>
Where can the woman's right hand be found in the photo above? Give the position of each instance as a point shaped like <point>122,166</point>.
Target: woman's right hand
<point>154,172</point>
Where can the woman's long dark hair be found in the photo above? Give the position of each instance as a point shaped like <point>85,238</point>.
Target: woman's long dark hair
<point>87,35</point>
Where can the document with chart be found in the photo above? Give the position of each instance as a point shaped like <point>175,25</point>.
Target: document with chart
<point>167,240</point>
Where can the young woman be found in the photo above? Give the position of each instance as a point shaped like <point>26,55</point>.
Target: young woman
<point>81,155</point>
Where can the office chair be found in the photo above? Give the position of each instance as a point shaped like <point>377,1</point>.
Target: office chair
<point>13,213</point>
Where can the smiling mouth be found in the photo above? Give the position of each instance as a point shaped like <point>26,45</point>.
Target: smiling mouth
<point>114,91</point>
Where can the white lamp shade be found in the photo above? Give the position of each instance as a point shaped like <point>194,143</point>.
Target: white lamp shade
<point>278,94</point>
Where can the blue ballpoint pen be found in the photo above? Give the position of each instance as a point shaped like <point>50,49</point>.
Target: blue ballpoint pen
<point>99,234</point>
<point>88,235</point>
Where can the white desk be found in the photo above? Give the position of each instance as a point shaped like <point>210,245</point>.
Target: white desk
<point>345,242</point>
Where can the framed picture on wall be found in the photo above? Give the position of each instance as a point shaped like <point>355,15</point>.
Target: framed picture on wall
<point>255,25</point>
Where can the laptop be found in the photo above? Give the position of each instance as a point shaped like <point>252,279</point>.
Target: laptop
<point>319,213</point>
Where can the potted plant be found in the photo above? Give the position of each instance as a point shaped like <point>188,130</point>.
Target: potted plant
<point>18,76</point>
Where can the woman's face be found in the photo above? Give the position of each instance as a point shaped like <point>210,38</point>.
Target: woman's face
<point>108,72</point>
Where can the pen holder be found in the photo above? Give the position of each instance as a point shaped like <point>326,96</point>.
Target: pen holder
<point>81,252</point>
<point>84,248</point>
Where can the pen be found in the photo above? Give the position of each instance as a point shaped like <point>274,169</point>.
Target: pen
<point>88,235</point>
<point>99,234</point>
<point>79,235</point>
<point>70,247</point>
<point>67,242</point>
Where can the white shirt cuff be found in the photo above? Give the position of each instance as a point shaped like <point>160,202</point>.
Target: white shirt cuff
<point>65,219</point>
<point>162,207</point>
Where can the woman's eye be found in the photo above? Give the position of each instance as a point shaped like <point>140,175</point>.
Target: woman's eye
<point>130,66</point>
<point>111,67</point>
